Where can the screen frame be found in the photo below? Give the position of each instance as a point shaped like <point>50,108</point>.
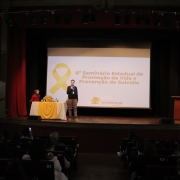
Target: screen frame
<point>102,43</point>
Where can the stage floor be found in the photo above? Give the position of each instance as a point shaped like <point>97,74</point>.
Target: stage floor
<point>93,120</point>
<point>100,120</point>
<point>108,120</point>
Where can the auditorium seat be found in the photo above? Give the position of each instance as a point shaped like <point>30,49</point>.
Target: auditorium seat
<point>26,141</point>
<point>69,140</point>
<point>18,153</point>
<point>172,160</point>
<point>41,137</point>
<point>15,145</point>
<point>144,161</point>
<point>129,148</point>
<point>3,166</point>
<point>157,142</point>
<point>43,170</point>
<point>155,172</point>
<point>171,178</point>
<point>64,148</point>
<point>167,152</point>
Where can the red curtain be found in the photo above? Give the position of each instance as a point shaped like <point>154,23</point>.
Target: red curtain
<point>16,73</point>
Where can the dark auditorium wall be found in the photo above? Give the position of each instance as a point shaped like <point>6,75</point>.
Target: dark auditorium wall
<point>165,58</point>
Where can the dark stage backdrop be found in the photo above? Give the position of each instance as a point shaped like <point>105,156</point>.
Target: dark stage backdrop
<point>0,40</point>
<point>165,64</point>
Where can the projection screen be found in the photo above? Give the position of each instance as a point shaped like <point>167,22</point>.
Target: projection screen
<point>109,77</point>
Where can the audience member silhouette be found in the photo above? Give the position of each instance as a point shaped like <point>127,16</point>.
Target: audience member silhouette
<point>133,158</point>
<point>27,133</point>
<point>54,136</point>
<point>4,148</point>
<point>50,146</point>
<point>150,149</point>
<point>37,152</point>
<point>15,138</point>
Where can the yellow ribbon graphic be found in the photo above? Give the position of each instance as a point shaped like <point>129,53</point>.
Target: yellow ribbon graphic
<point>61,81</point>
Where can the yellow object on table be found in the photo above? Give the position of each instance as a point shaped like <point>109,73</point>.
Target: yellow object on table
<point>47,110</point>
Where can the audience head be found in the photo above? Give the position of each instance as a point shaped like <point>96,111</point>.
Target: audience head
<point>27,132</point>
<point>133,137</point>
<point>16,138</point>
<point>1,138</point>
<point>150,149</point>
<point>49,145</point>
<point>37,150</point>
<point>140,145</point>
<point>54,136</point>
<point>5,133</point>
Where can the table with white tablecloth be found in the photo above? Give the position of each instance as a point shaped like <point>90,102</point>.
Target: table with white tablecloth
<point>49,110</point>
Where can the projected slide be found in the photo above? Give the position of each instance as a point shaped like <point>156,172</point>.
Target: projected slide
<point>122,82</point>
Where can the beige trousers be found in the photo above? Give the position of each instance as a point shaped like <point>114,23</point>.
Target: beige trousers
<point>72,103</point>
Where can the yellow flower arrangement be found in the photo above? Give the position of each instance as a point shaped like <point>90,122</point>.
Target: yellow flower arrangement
<point>95,100</point>
<point>47,98</point>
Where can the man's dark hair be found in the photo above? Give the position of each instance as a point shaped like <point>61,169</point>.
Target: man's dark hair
<point>25,131</point>
<point>49,144</point>
<point>37,150</point>
<point>72,80</point>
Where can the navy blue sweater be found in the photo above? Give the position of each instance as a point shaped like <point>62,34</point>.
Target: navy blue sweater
<point>72,93</point>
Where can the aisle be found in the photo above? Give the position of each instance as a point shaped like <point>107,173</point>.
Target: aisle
<point>99,167</point>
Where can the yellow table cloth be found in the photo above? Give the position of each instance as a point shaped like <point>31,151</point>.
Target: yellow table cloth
<point>61,110</point>
<point>47,110</point>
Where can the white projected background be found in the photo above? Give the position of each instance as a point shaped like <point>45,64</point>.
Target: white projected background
<point>101,81</point>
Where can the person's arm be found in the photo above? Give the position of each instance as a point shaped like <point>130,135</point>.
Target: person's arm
<point>69,90</point>
<point>77,93</point>
<point>57,165</point>
<point>66,163</point>
<point>32,98</point>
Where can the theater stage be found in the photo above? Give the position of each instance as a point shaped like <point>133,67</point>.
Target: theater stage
<point>98,134</point>
<point>108,122</point>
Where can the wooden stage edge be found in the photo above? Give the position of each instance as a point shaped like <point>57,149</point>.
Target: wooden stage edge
<point>97,122</point>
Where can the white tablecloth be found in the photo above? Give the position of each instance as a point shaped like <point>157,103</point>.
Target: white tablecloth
<point>61,110</point>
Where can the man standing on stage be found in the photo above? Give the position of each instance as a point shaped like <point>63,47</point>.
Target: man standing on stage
<point>72,99</point>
